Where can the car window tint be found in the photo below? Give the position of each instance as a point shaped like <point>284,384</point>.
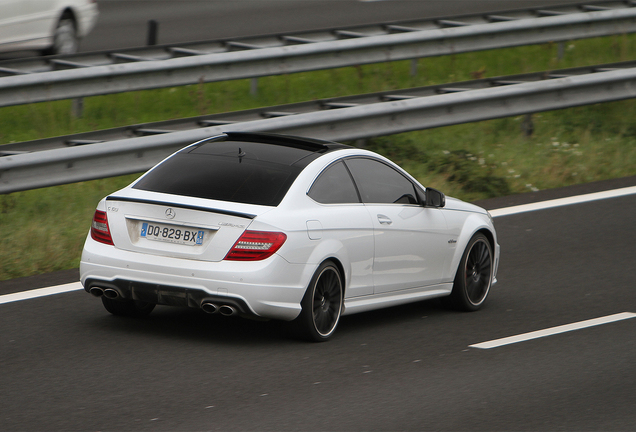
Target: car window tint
<point>380,183</point>
<point>334,186</point>
<point>221,178</point>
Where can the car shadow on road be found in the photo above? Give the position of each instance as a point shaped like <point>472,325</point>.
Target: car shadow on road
<point>193,324</point>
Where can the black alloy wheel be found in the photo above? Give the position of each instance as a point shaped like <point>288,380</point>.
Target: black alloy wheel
<point>474,275</point>
<point>322,304</point>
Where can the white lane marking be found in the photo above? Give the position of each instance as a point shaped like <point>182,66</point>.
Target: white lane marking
<point>563,201</point>
<point>25,295</point>
<point>554,330</point>
<point>41,292</point>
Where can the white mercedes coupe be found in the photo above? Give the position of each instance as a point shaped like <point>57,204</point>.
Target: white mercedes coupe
<point>280,227</point>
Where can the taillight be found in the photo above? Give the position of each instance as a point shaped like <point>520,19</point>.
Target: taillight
<point>256,245</point>
<point>99,228</point>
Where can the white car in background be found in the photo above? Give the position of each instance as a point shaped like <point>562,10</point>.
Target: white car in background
<point>48,26</point>
<point>280,227</point>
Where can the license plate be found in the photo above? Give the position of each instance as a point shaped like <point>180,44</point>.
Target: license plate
<point>172,234</point>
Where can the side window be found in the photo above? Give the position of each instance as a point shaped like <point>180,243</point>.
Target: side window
<point>381,184</point>
<point>334,186</point>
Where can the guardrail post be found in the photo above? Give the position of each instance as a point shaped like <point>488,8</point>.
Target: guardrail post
<point>414,67</point>
<point>77,107</point>
<point>153,30</point>
<point>361,143</point>
<point>560,50</point>
<point>527,126</point>
<point>254,86</point>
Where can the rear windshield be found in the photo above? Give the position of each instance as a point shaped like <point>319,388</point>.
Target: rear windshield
<point>226,178</point>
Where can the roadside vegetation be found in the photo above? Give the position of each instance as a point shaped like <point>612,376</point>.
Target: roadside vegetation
<point>44,230</point>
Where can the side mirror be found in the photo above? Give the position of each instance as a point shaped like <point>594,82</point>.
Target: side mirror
<point>435,198</point>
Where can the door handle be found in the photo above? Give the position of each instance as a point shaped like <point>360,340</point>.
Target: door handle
<point>384,220</point>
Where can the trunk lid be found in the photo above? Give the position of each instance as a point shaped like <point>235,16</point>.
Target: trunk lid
<point>175,226</point>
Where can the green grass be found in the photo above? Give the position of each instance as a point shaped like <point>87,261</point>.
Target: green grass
<point>493,158</point>
<point>43,230</point>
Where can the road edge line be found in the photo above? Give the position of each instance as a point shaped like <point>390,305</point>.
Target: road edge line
<point>559,202</point>
<point>40,292</point>
<point>554,330</point>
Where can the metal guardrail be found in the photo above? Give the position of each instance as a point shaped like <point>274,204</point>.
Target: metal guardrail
<point>229,118</point>
<point>37,80</point>
<point>67,165</point>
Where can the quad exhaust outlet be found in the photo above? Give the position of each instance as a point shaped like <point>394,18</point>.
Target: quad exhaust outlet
<point>111,293</point>
<point>106,292</point>
<point>209,308</point>
<point>225,310</point>
<point>97,291</point>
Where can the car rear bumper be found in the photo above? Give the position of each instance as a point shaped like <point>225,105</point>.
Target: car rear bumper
<point>272,288</point>
<point>163,294</point>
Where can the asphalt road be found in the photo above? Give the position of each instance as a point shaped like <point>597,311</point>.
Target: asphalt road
<point>66,364</point>
<point>123,23</point>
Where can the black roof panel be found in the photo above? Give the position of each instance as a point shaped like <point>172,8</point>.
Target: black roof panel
<point>254,152</point>
<point>238,167</point>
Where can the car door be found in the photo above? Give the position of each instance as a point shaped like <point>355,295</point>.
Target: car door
<point>411,244</point>
<point>342,218</point>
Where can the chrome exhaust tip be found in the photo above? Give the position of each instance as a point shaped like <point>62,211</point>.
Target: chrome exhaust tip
<point>97,291</point>
<point>227,310</point>
<point>111,293</point>
<point>209,307</point>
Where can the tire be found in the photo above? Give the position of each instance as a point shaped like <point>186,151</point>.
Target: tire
<point>65,40</point>
<point>322,304</point>
<point>474,276</point>
<point>129,308</point>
